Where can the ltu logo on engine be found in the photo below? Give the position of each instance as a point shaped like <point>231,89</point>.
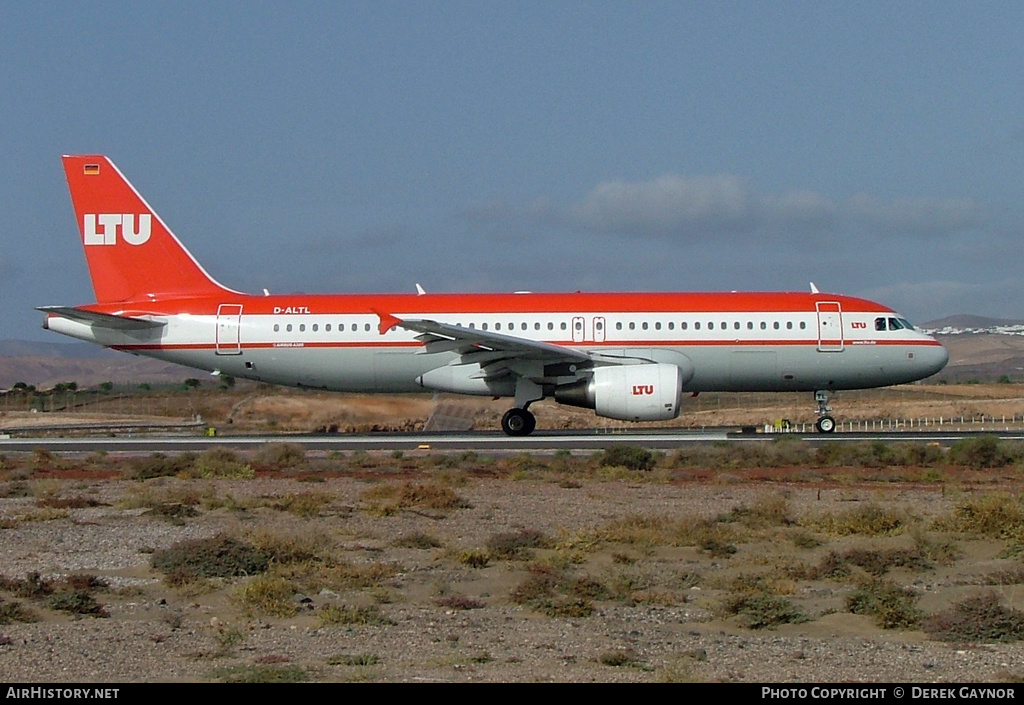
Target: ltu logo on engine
<point>640,390</point>
<point>108,227</point>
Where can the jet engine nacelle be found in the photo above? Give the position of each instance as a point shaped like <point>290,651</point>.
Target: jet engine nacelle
<point>647,392</point>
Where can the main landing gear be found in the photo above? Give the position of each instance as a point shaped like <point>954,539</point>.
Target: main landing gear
<point>518,422</point>
<point>825,422</point>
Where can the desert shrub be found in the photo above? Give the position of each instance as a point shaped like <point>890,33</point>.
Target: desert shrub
<point>174,512</point>
<point>85,581</point>
<point>78,502</point>
<point>866,520</point>
<point>627,456</point>
<point>980,452</point>
<point>516,545</point>
<point>388,500</point>
<point>221,462</point>
<point>159,465</point>
<point>474,558</point>
<point>417,540</point>
<point>892,606</point>
<point>335,615</point>
<point>557,594</point>
<point>766,511</point>
<point>13,612</point>
<point>262,673</point>
<point>980,618</point>
<point>996,515</point>
<point>637,530</point>
<point>878,562</point>
<point>335,574</point>
<point>284,547</point>
<point>78,602</point>
<point>717,548</point>
<point>217,557</point>
<point>762,609</point>
<point>32,586</point>
<point>305,504</point>
<point>459,602</point>
<point>619,658</point>
<point>282,455</point>
<point>268,595</point>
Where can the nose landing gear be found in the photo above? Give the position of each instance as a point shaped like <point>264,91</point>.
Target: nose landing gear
<point>825,422</point>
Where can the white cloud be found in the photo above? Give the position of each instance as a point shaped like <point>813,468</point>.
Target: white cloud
<point>709,207</point>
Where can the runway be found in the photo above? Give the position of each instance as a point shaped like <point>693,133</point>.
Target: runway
<point>493,442</point>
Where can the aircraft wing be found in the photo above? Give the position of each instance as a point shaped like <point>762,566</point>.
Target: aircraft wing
<point>101,320</point>
<point>481,345</point>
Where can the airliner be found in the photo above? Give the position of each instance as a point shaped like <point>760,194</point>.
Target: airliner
<point>627,356</point>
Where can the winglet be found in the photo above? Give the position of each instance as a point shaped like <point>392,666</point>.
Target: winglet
<point>387,322</point>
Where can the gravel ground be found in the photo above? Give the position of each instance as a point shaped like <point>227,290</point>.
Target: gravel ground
<point>666,624</point>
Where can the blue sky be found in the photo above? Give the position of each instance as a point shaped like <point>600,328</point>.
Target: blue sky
<point>875,148</point>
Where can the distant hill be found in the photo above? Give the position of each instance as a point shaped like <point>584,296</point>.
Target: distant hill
<point>966,320</point>
<point>46,364</point>
<point>33,348</point>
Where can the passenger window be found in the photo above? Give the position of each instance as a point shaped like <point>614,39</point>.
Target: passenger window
<point>671,325</point>
<point>288,328</point>
<point>750,325</point>
<point>657,326</point>
<point>551,326</point>
<point>711,325</point>
<point>644,326</point>
<point>277,327</point>
<point>497,326</point>
<point>775,325</point>
<point>736,325</point>
<point>579,325</point>
<point>803,325</point>
<point>632,325</point>
<point>696,326</point>
<point>683,325</point>
<point>618,325</point>
<point>764,326</point>
<point>366,327</point>
<point>789,325</point>
<point>563,326</point>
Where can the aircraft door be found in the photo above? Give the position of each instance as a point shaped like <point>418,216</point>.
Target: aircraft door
<point>578,332</point>
<point>599,329</point>
<point>830,326</point>
<point>229,329</point>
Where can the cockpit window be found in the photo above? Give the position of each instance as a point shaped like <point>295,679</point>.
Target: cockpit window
<point>906,324</point>
<point>879,324</point>
<point>894,324</point>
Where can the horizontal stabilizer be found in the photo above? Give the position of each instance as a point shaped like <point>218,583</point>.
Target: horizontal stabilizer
<point>101,320</point>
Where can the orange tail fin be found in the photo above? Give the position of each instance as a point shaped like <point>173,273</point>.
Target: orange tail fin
<point>132,255</point>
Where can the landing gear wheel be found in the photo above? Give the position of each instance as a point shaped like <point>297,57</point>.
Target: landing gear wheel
<point>826,424</point>
<point>518,422</point>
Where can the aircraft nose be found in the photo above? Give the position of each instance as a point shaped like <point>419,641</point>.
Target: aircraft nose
<point>932,359</point>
